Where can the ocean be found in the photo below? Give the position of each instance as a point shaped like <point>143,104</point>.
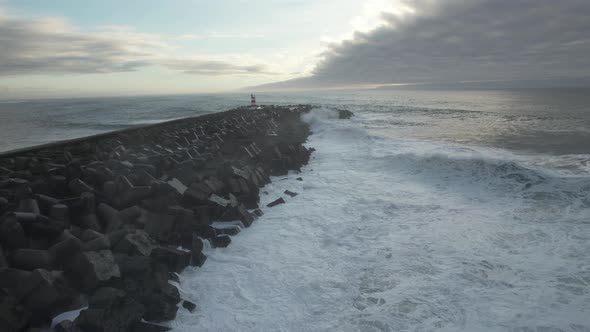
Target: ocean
<point>429,210</point>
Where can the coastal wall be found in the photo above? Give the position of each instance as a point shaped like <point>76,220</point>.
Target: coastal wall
<point>106,221</point>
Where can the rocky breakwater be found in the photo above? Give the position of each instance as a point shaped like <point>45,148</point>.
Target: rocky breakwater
<point>104,222</point>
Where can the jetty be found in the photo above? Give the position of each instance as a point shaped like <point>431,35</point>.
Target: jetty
<point>105,223</point>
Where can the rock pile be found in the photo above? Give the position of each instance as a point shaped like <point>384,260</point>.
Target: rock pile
<point>105,221</point>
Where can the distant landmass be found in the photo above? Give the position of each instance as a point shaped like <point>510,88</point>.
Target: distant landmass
<point>313,83</point>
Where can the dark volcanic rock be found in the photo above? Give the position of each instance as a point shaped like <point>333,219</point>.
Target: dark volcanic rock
<point>136,243</point>
<point>119,317</point>
<point>142,193</point>
<point>147,327</point>
<point>176,260</point>
<point>134,265</point>
<point>290,193</point>
<point>221,241</point>
<point>13,317</point>
<point>276,202</point>
<point>30,259</point>
<point>92,268</point>
<point>188,305</point>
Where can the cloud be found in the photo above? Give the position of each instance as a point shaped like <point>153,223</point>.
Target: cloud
<point>48,45</point>
<point>457,40</point>
<point>51,45</point>
<point>215,68</point>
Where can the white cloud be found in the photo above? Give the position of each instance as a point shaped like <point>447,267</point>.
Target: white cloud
<point>50,45</point>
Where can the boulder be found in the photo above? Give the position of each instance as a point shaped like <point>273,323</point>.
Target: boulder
<point>109,217</point>
<point>100,243</point>
<point>13,317</point>
<point>221,241</point>
<point>196,247</point>
<point>89,235</point>
<point>132,265</point>
<point>136,243</point>
<point>12,235</point>
<point>206,232</point>
<point>11,278</point>
<point>3,262</point>
<point>93,268</point>
<point>188,305</point>
<point>176,260</point>
<point>67,247</point>
<point>60,213</point>
<point>276,202</point>
<point>105,297</point>
<point>121,317</point>
<point>45,294</point>
<point>89,219</point>
<point>38,226</point>
<point>31,259</point>
<point>159,226</point>
<point>148,327</point>
<point>290,193</point>
<point>161,305</point>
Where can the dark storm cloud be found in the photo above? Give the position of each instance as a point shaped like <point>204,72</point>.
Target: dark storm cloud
<point>459,40</point>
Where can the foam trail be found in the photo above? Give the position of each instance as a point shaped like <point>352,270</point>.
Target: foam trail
<point>402,235</point>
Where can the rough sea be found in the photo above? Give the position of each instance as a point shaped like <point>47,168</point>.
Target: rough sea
<point>428,211</point>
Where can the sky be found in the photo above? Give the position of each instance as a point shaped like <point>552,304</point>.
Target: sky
<point>63,48</point>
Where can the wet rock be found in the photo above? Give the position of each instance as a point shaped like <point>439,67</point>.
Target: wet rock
<point>161,305</point>
<point>148,327</point>
<point>345,114</point>
<point>299,179</point>
<point>196,247</point>
<point>189,305</point>
<point>221,241</point>
<point>205,232</point>
<point>231,229</point>
<point>176,260</point>
<point>276,202</point>
<point>121,317</point>
<point>290,193</point>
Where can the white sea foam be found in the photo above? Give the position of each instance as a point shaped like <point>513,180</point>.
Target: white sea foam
<point>390,234</point>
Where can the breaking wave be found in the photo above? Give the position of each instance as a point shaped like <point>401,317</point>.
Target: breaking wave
<point>393,234</point>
